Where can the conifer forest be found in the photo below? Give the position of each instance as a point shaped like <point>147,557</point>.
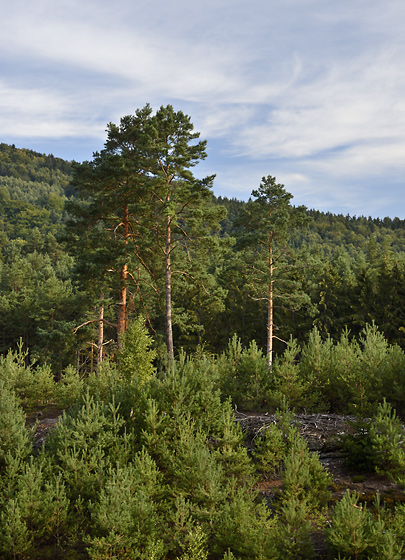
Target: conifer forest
<point>145,315</point>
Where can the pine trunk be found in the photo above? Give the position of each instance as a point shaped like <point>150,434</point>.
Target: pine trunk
<point>122,310</point>
<point>100,334</point>
<point>169,327</point>
<point>270,311</point>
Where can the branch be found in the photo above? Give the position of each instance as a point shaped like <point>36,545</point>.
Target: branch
<point>192,277</point>
<point>280,339</point>
<point>104,343</point>
<point>141,260</point>
<point>183,232</point>
<point>94,321</point>
<point>144,308</point>
<point>157,196</point>
<point>116,227</point>
<point>258,298</point>
<point>137,283</point>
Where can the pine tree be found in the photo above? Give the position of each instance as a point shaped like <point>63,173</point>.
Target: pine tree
<point>184,213</point>
<point>15,440</point>
<point>269,221</point>
<point>142,206</point>
<point>135,356</point>
<point>107,227</point>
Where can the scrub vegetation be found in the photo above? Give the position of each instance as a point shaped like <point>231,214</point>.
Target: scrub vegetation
<point>143,311</point>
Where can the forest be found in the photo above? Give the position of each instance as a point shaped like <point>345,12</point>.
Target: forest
<point>143,311</point>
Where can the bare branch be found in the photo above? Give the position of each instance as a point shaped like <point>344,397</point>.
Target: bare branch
<point>280,339</point>
<point>104,343</point>
<point>116,227</point>
<point>94,321</point>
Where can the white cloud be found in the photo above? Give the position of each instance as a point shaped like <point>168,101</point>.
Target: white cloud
<point>152,58</point>
<point>311,91</point>
<point>41,113</point>
<point>357,104</point>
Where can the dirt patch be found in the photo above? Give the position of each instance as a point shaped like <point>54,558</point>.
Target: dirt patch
<point>41,422</point>
<point>322,432</point>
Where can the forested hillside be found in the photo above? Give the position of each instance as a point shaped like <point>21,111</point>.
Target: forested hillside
<point>149,310</point>
<point>347,271</point>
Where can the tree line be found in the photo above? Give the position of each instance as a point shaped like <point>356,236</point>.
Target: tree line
<point>86,248</point>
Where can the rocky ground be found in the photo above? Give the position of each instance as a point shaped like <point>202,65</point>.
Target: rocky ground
<point>41,422</point>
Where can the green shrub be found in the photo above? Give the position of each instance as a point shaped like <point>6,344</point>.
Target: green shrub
<point>136,356</point>
<point>350,531</point>
<point>253,376</point>
<point>269,451</point>
<point>346,390</point>
<point>398,521</point>
<point>243,374</point>
<point>190,386</point>
<point>229,448</point>
<point>33,386</point>
<point>388,443</point>
<point>287,385</point>
<point>304,477</point>
<point>15,439</point>
<point>377,445</point>
<point>357,533</point>
<point>196,545</point>
<point>352,375</point>
<point>281,449</point>
<point>272,443</point>
<point>243,526</point>
<point>373,357</point>
<point>70,388</point>
<point>86,441</point>
<point>228,366</point>
<point>35,512</point>
<point>125,516</point>
<point>14,535</point>
<point>103,384</point>
<point>43,503</point>
<point>357,446</point>
<point>316,368</point>
<point>393,378</point>
<point>293,531</point>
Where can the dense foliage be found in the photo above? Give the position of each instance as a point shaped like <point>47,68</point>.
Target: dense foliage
<point>147,461</point>
<point>347,272</point>
<point>147,464</point>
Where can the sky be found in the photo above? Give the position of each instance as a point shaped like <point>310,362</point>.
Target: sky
<point>311,92</point>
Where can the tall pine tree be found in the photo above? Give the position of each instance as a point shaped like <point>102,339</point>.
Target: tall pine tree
<point>269,221</point>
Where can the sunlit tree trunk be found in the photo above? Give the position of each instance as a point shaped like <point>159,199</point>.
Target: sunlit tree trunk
<point>169,326</point>
<point>100,334</point>
<point>270,308</point>
<point>122,309</point>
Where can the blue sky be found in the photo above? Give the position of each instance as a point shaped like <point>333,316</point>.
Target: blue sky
<point>309,91</point>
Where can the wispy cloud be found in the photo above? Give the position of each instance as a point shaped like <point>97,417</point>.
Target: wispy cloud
<point>43,114</point>
<point>311,90</point>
